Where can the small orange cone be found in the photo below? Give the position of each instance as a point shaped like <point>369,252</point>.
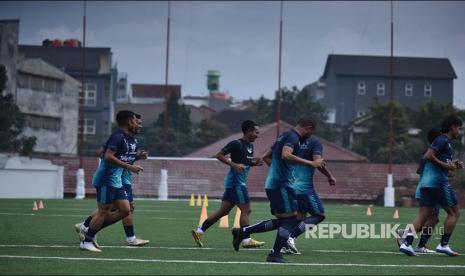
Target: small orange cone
<point>224,222</point>
<point>237,218</point>
<point>199,200</point>
<point>41,205</point>
<point>205,200</point>
<point>34,208</point>
<point>396,214</point>
<point>203,215</point>
<point>192,200</point>
<point>369,212</point>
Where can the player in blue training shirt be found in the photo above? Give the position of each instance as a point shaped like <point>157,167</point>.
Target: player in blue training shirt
<point>235,183</point>
<point>308,200</point>
<point>435,187</point>
<point>433,218</point>
<point>120,152</point>
<point>126,178</point>
<point>279,186</point>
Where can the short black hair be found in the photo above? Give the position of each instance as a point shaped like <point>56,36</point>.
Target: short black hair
<point>433,134</point>
<point>449,122</point>
<point>138,116</point>
<point>306,122</point>
<point>123,116</point>
<point>248,125</point>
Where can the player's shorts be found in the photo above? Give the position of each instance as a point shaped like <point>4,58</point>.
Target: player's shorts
<point>282,200</point>
<point>236,195</point>
<point>107,195</point>
<point>128,189</point>
<point>310,203</point>
<point>443,196</point>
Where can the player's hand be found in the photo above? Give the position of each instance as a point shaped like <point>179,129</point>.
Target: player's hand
<point>459,164</point>
<point>143,155</point>
<point>135,168</point>
<point>238,167</point>
<point>332,180</point>
<point>258,162</point>
<point>451,166</point>
<point>320,163</point>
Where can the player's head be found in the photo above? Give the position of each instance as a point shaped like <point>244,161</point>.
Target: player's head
<point>138,128</point>
<point>306,127</point>
<point>452,125</point>
<point>433,134</point>
<point>126,118</point>
<point>250,130</point>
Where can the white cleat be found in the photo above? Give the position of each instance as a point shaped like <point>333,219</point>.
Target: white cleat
<point>137,242</point>
<point>94,242</point>
<point>79,228</point>
<point>424,250</point>
<point>446,250</point>
<point>89,246</point>
<point>407,249</point>
<point>400,236</point>
<point>290,245</point>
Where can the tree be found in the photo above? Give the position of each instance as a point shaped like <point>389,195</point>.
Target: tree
<point>210,131</point>
<point>178,116</point>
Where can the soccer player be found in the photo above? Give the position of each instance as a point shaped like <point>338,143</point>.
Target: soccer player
<point>279,188</point>
<point>126,177</point>
<point>308,200</point>
<point>120,151</point>
<point>235,183</point>
<point>433,218</point>
<point>435,187</point>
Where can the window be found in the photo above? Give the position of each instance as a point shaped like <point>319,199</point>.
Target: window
<point>90,95</point>
<point>361,113</point>
<point>23,80</point>
<point>380,89</point>
<point>408,89</point>
<point>89,126</point>
<point>36,83</point>
<point>362,88</point>
<point>42,122</point>
<point>428,90</point>
<point>51,85</point>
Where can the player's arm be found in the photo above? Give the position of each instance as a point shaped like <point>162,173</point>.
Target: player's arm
<point>430,155</point>
<point>99,152</point>
<point>110,157</point>
<point>257,161</point>
<point>221,156</point>
<point>142,155</point>
<point>267,157</point>
<point>325,171</point>
<point>286,154</point>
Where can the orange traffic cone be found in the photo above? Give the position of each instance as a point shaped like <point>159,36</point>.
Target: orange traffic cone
<point>237,218</point>
<point>203,215</point>
<point>199,200</point>
<point>34,207</point>
<point>41,205</point>
<point>192,200</point>
<point>396,214</point>
<point>369,211</point>
<point>224,222</point>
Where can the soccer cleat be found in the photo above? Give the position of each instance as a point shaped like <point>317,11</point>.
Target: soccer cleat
<point>237,238</point>
<point>285,250</point>
<point>138,242</point>
<point>197,237</point>
<point>400,237</point>
<point>423,250</point>
<point>89,246</point>
<point>81,233</point>
<point>290,245</point>
<point>275,258</point>
<point>407,249</point>
<point>252,244</point>
<point>446,250</point>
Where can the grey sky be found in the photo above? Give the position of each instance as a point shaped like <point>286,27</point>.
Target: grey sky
<point>241,38</point>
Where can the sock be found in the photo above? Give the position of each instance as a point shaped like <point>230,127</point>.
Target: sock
<point>87,221</point>
<point>264,226</point>
<point>283,233</point>
<point>90,235</point>
<point>205,225</point>
<point>425,235</point>
<point>409,239</point>
<point>445,239</point>
<point>246,236</point>
<point>129,229</point>
<point>300,228</point>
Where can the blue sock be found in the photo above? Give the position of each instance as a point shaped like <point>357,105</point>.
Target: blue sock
<point>300,228</point>
<point>264,226</point>
<point>129,229</point>
<point>87,221</point>
<point>90,234</point>
<point>245,236</point>
<point>287,224</point>
<point>409,239</point>
<point>445,239</point>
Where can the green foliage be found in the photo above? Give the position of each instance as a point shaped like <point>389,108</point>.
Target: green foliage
<point>210,131</point>
<point>3,78</point>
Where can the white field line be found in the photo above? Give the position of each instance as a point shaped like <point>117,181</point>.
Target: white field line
<point>226,262</point>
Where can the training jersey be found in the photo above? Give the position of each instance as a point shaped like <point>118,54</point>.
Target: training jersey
<point>241,152</point>
<point>125,148</point>
<point>303,174</point>
<point>280,172</point>
<point>432,175</point>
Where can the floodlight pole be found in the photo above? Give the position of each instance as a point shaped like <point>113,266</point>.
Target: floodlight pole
<point>278,93</point>
<point>165,117</point>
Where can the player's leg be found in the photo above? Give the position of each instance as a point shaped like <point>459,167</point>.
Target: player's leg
<point>427,231</point>
<point>128,222</point>
<point>243,203</point>
<point>448,201</point>
<point>224,209</point>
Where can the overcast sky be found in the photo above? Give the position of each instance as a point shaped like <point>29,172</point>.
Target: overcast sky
<point>240,39</point>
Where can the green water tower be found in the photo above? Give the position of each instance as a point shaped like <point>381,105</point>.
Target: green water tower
<point>213,80</point>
